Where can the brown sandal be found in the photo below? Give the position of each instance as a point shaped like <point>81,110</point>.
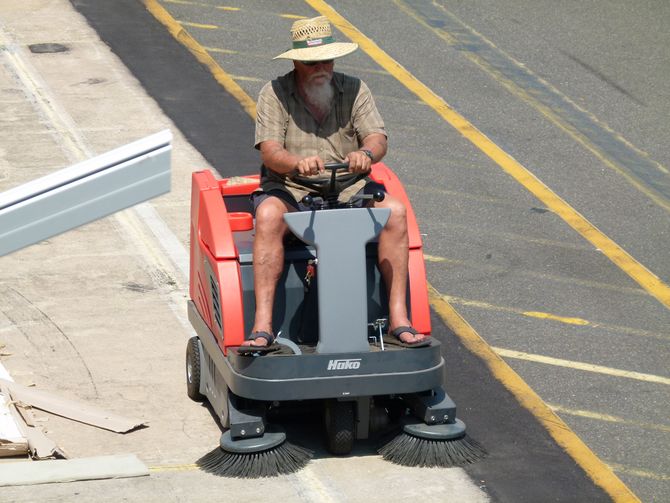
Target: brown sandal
<point>269,348</point>
<point>395,340</point>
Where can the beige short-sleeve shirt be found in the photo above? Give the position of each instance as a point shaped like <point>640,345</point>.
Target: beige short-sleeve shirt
<point>287,120</point>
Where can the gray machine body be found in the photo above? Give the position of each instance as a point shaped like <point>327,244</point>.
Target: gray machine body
<point>339,237</point>
<point>297,314</point>
<point>334,313</point>
<point>314,376</point>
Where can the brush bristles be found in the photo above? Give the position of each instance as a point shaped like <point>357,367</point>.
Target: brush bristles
<point>283,459</point>
<point>408,450</point>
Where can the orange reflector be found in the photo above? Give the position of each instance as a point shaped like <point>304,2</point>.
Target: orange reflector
<point>240,221</point>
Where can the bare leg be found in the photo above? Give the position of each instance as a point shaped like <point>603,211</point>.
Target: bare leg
<point>268,262</point>
<point>393,255</point>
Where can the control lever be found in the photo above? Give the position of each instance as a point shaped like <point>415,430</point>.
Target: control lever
<point>377,195</point>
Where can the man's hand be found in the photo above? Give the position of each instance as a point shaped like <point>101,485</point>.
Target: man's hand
<point>359,162</point>
<point>310,166</point>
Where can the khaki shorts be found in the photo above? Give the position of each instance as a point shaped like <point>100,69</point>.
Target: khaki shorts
<point>258,197</point>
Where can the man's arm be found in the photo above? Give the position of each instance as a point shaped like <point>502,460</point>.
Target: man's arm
<point>281,161</point>
<point>359,162</point>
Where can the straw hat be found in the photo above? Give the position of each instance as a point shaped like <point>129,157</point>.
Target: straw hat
<point>313,41</point>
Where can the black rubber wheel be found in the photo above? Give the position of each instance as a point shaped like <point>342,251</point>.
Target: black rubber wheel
<point>396,409</point>
<point>193,370</point>
<point>339,421</point>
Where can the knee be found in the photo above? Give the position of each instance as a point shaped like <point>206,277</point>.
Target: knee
<point>270,217</point>
<point>398,211</point>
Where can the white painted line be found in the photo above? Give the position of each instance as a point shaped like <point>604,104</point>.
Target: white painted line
<point>636,472</point>
<point>598,416</point>
<point>165,237</point>
<point>588,367</point>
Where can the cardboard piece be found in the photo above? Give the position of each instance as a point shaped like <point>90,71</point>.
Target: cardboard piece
<point>37,444</point>
<point>12,441</point>
<point>71,409</point>
<point>45,472</point>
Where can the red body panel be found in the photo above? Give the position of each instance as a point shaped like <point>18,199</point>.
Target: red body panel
<point>417,271</point>
<point>213,252</point>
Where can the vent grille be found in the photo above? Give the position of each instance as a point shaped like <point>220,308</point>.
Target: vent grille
<point>216,303</point>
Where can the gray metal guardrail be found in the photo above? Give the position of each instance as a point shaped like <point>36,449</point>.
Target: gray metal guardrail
<point>85,192</point>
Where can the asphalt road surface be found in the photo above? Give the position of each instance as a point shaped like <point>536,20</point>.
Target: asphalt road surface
<point>557,254</point>
<point>531,137</point>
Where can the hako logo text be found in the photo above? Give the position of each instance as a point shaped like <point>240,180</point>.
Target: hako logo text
<point>344,364</point>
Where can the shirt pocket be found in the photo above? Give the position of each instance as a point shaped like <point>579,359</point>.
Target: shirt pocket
<point>345,140</point>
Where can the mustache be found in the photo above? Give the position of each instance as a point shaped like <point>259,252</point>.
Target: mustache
<point>318,75</point>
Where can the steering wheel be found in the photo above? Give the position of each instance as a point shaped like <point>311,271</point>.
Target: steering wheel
<point>329,189</point>
<point>323,186</point>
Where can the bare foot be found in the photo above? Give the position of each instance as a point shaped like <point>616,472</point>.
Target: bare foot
<point>262,339</point>
<point>410,338</point>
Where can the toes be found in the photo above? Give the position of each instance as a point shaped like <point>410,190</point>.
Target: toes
<point>409,337</point>
<point>258,342</point>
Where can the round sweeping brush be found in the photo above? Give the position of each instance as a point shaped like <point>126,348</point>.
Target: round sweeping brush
<point>436,445</point>
<point>267,456</point>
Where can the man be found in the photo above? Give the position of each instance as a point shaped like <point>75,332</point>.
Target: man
<point>309,117</point>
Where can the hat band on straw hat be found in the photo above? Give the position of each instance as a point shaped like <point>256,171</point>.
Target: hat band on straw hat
<point>304,44</point>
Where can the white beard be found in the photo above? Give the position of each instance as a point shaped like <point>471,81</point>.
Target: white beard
<point>320,96</point>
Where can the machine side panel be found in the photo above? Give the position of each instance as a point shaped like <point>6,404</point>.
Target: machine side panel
<point>420,308</point>
<point>215,232</point>
<point>214,284</point>
<point>418,286</point>
<point>383,174</point>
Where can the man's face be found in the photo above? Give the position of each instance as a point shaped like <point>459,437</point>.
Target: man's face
<point>314,73</point>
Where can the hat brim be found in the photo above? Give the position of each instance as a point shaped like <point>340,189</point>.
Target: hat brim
<point>319,53</point>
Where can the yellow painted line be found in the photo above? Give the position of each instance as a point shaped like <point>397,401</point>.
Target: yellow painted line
<point>246,79</point>
<point>314,488</point>
<point>554,317</point>
<point>598,471</point>
<point>292,16</point>
<point>179,33</point>
<point>223,51</point>
<point>432,258</point>
<point>200,4</point>
<point>645,278</point>
<point>199,25</point>
<point>562,319</point>
<point>608,418</point>
<point>173,468</point>
<point>587,367</point>
<point>638,472</point>
<point>530,314</point>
